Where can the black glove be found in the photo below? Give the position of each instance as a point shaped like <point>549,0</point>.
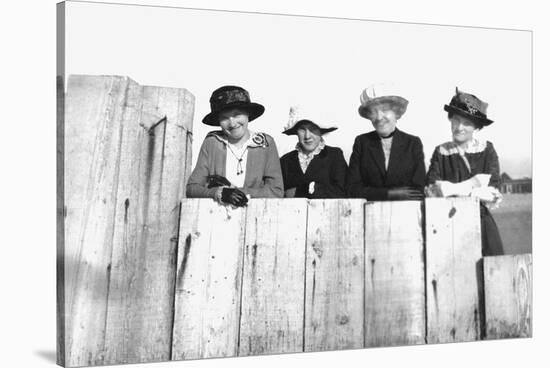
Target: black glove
<point>234,197</point>
<point>405,193</point>
<point>217,181</point>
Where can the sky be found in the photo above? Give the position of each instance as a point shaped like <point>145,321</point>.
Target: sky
<point>321,64</point>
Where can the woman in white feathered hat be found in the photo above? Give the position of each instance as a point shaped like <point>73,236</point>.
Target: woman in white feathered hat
<point>313,169</point>
<point>387,163</point>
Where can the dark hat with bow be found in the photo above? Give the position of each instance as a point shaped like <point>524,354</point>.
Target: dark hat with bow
<point>231,97</point>
<point>469,106</point>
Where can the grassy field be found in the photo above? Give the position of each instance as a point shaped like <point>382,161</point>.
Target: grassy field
<point>514,219</point>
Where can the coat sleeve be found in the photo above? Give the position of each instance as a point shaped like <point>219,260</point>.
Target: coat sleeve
<point>356,185</point>
<point>419,176</point>
<point>492,166</point>
<point>197,186</point>
<point>434,172</point>
<point>336,188</point>
<point>272,186</point>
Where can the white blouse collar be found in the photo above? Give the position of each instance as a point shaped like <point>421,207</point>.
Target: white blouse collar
<point>256,139</point>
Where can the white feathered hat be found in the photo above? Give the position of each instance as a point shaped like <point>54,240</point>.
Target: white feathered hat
<point>298,114</point>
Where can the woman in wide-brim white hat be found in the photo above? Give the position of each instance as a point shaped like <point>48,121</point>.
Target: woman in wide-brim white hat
<point>387,163</point>
<point>468,166</point>
<point>313,169</point>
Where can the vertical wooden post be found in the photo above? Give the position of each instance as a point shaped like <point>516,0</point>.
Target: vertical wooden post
<point>273,277</point>
<point>453,269</point>
<point>394,274</point>
<point>334,310</point>
<point>123,185</point>
<point>209,276</point>
<point>143,268</point>
<point>508,296</point>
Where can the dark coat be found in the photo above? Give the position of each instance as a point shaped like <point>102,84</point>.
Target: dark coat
<point>327,169</point>
<point>367,173</point>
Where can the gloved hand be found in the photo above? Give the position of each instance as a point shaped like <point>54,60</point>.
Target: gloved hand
<point>234,197</point>
<point>217,181</point>
<point>480,180</point>
<point>448,189</point>
<point>404,193</point>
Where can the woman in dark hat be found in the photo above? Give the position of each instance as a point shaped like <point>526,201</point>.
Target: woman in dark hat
<point>387,163</point>
<point>313,169</point>
<point>468,166</point>
<point>234,163</point>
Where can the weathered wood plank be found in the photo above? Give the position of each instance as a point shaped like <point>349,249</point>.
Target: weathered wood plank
<point>60,202</point>
<point>124,260</point>
<point>453,269</point>
<point>93,132</point>
<point>209,276</point>
<point>273,277</point>
<point>394,274</point>
<point>334,305</point>
<point>508,296</point>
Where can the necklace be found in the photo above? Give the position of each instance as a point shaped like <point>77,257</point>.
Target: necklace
<point>240,170</point>
<point>389,135</point>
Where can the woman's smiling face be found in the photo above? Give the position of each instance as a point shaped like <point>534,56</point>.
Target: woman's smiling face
<point>383,119</point>
<point>234,123</point>
<point>462,128</point>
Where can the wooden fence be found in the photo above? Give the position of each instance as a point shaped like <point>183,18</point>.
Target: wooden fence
<point>292,275</point>
<point>144,275</point>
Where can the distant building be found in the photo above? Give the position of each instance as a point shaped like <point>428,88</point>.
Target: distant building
<point>509,185</point>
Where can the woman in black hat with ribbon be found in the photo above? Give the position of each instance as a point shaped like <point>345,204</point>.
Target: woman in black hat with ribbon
<point>468,166</point>
<point>234,163</point>
<point>314,169</point>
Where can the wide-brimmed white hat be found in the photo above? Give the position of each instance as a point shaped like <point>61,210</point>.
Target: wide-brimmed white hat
<point>382,93</point>
<point>299,114</point>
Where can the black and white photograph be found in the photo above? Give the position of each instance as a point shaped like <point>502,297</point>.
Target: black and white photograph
<point>274,185</point>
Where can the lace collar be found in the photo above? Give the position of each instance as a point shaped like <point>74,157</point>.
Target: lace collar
<point>305,158</point>
<point>256,139</point>
<point>315,152</point>
<point>451,148</point>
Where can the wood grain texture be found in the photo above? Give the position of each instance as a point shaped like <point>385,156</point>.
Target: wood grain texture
<point>508,296</point>
<point>273,277</point>
<point>453,269</point>
<point>123,185</point>
<point>139,327</point>
<point>394,274</point>
<point>209,276</point>
<point>94,110</point>
<point>334,305</point>
<point>60,205</point>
